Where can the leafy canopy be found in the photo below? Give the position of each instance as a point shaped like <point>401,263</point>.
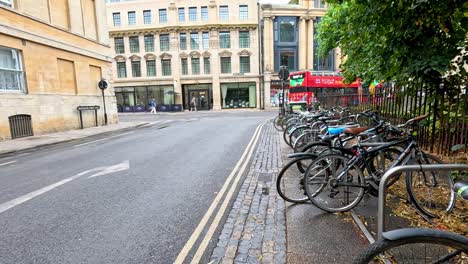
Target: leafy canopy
<point>396,40</point>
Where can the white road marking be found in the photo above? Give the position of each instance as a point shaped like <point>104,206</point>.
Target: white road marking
<point>218,199</point>
<point>125,165</point>
<point>94,141</point>
<point>204,243</point>
<point>6,163</point>
<point>111,169</point>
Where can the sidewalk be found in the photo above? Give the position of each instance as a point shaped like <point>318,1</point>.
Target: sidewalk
<point>27,143</point>
<point>262,228</point>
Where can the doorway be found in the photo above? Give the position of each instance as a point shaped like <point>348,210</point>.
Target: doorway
<point>200,93</point>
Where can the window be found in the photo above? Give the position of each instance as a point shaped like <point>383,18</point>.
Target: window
<point>116,17</point>
<point>132,18</point>
<point>183,41</point>
<point>225,64</point>
<point>192,13</point>
<point>223,12</point>
<point>225,40</point>
<point>181,14</point>
<point>206,40</point>
<point>134,44</point>
<point>195,66</point>
<point>121,69</point>
<point>243,12</point>
<point>119,45</point>
<point>244,39</point>
<point>244,64</point>
<point>11,70</point>
<point>194,41</point>
<point>319,4</point>
<point>166,67</point>
<point>184,65</point>
<point>149,43</point>
<point>162,16</point>
<point>287,30</point>
<point>136,69</point>
<point>6,2</point>
<point>238,95</point>
<point>204,13</point>
<point>207,65</point>
<point>147,16</point>
<point>151,68</point>
<point>164,42</point>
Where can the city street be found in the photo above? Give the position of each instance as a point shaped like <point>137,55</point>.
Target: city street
<point>130,197</point>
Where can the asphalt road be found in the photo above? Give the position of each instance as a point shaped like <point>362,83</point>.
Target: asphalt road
<point>149,189</point>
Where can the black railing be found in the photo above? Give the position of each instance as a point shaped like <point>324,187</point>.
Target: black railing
<point>20,126</point>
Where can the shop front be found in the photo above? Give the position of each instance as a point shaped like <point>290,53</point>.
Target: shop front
<point>138,98</point>
<point>201,94</point>
<point>238,95</point>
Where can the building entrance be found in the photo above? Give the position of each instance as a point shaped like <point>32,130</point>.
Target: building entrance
<point>200,94</point>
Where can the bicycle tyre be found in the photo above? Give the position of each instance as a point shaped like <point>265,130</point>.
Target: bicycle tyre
<point>280,186</point>
<point>411,192</point>
<point>299,130</point>
<point>286,133</point>
<point>318,196</point>
<point>406,236</point>
<point>277,122</point>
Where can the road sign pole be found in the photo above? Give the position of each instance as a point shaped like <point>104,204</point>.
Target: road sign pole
<point>104,103</point>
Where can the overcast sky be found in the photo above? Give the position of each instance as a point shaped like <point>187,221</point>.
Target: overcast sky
<point>274,1</point>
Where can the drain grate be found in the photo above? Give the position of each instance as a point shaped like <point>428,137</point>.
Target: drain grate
<point>265,177</point>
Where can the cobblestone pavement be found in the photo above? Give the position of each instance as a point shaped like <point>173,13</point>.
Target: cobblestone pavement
<point>255,230</point>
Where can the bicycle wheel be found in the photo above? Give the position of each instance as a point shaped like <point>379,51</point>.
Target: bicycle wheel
<point>289,129</point>
<point>329,193</point>
<point>416,245</point>
<point>277,122</point>
<point>290,180</point>
<point>306,138</point>
<point>298,131</point>
<point>431,192</point>
<point>377,164</point>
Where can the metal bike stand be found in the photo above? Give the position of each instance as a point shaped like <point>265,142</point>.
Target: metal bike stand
<point>390,173</point>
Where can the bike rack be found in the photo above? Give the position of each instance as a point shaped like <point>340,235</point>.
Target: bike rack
<point>390,173</point>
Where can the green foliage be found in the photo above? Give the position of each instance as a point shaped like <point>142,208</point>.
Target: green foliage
<point>397,40</point>
<point>293,2</point>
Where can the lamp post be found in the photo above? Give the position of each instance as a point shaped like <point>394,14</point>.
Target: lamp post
<point>284,76</point>
<point>103,85</point>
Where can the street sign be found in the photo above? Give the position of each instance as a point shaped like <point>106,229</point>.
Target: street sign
<point>102,84</point>
<point>88,107</point>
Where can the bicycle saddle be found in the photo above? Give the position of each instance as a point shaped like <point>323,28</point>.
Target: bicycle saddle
<point>355,130</point>
<point>328,138</point>
<point>461,188</point>
<point>336,130</point>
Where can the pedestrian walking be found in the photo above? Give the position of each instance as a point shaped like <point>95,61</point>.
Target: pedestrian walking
<point>153,106</point>
<point>193,104</point>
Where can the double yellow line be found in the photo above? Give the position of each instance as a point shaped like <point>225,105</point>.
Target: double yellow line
<point>236,174</point>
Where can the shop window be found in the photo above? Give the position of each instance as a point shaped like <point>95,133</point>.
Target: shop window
<point>11,70</point>
<point>238,95</point>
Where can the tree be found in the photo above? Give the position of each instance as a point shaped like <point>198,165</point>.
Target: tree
<point>397,40</point>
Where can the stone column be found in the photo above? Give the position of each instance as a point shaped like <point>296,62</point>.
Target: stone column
<point>302,44</point>
<point>268,44</point>
<point>215,68</point>
<point>310,44</point>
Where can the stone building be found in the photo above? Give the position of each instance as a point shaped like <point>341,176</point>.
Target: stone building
<point>177,51</point>
<point>288,30</point>
<point>52,54</point>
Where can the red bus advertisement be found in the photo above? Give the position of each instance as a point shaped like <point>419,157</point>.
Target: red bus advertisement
<point>306,87</point>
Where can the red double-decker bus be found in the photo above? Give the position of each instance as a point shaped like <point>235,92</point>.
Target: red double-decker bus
<point>307,87</point>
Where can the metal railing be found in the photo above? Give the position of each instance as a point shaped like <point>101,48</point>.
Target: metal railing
<point>407,168</point>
